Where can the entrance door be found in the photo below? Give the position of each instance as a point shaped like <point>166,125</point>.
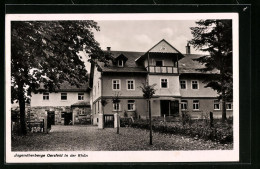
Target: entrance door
<point>68,118</point>
<point>51,118</point>
<point>165,108</point>
<point>175,108</point>
<point>109,121</point>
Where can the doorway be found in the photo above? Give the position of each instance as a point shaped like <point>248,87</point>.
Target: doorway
<point>51,118</point>
<point>109,121</point>
<point>169,108</point>
<point>68,118</point>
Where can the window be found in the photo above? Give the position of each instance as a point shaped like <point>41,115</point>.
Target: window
<point>194,84</point>
<point>81,112</point>
<point>183,84</point>
<point>116,106</point>
<point>184,104</point>
<point>131,105</point>
<point>63,114</point>
<point>63,96</point>
<point>116,84</point>
<point>120,63</point>
<point>80,96</point>
<point>130,84</point>
<point>159,63</point>
<point>164,83</point>
<point>229,106</point>
<point>196,105</point>
<point>45,96</point>
<point>216,105</point>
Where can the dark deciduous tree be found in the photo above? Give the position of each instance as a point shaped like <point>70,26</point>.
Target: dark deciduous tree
<point>46,52</point>
<point>148,92</point>
<point>215,37</point>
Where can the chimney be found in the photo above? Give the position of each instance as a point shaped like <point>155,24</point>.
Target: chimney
<point>108,49</point>
<point>188,48</point>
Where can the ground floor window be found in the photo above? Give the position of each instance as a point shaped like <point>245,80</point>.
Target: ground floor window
<point>45,96</point>
<point>229,106</point>
<point>196,105</point>
<point>131,105</point>
<point>184,104</point>
<point>116,106</point>
<point>216,105</point>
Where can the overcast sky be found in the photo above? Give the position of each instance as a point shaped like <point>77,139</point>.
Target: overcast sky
<point>142,35</point>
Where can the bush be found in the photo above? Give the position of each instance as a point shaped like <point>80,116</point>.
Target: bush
<point>221,132</point>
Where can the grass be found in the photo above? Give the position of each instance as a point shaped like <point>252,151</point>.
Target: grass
<point>90,138</point>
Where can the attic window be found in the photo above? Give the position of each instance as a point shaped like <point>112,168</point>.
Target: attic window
<point>120,63</point>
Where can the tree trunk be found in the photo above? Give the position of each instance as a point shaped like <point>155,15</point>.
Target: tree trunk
<point>224,112</point>
<point>21,99</point>
<point>150,119</point>
<point>118,121</point>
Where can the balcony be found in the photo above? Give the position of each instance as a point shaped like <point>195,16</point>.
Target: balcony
<point>162,69</point>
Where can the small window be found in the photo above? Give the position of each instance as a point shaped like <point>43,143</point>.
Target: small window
<point>159,63</point>
<point>184,104</point>
<point>194,84</point>
<point>164,83</point>
<point>130,85</point>
<point>81,112</point>
<point>63,96</point>
<point>80,96</point>
<point>116,84</point>
<point>45,96</point>
<point>229,106</point>
<point>116,106</point>
<point>63,114</point>
<point>216,105</point>
<point>120,63</point>
<point>183,84</point>
<point>131,105</point>
<point>196,105</point>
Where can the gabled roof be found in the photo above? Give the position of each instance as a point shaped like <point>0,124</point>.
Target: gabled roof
<point>129,66</point>
<point>188,65</point>
<point>162,47</point>
<point>67,87</point>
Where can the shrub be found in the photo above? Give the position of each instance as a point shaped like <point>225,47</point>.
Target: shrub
<point>221,132</point>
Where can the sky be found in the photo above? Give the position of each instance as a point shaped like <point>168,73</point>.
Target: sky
<point>141,35</point>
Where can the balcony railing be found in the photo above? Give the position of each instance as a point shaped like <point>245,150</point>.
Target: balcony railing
<point>162,69</point>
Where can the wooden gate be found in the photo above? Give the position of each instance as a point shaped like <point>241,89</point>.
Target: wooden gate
<point>109,121</point>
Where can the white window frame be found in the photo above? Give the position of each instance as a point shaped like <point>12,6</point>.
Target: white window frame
<point>80,96</point>
<point>185,84</point>
<point>230,106</point>
<point>128,80</point>
<point>46,96</point>
<point>215,103</point>
<point>120,65</point>
<point>192,83</point>
<point>161,83</point>
<point>119,107</point>
<point>198,103</point>
<point>132,103</point>
<point>184,102</point>
<point>61,96</point>
<point>119,81</point>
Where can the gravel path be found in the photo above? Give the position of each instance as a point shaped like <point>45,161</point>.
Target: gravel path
<point>90,138</point>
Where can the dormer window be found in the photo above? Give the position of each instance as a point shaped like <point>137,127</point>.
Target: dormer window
<point>120,63</point>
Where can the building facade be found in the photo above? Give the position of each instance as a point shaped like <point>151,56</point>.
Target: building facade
<point>68,105</point>
<point>179,85</point>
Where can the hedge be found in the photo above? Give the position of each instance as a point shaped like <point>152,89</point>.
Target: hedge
<point>221,132</point>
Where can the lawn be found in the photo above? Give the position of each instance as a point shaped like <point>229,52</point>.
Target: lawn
<point>90,138</point>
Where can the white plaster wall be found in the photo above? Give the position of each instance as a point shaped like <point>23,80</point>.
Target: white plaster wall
<point>173,85</point>
<point>55,99</point>
<point>96,90</point>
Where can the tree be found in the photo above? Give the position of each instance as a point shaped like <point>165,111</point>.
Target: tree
<point>148,92</point>
<point>116,101</point>
<point>215,37</point>
<point>46,53</point>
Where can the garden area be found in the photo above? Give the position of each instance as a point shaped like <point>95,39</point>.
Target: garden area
<point>90,138</point>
